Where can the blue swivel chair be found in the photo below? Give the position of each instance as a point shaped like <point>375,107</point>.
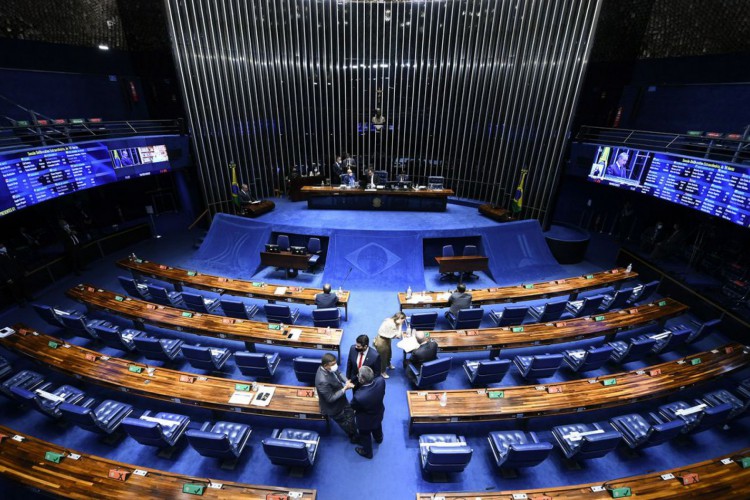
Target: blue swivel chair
<point>295,448</point>
<point>701,329</point>
<point>584,307</point>
<point>584,360</point>
<point>25,379</point>
<point>644,292</point>
<point>618,300</point>
<point>223,440</point>
<point>5,367</point>
<point>423,321</point>
<point>52,316</point>
<point>669,340</point>
<point>257,365</point>
<point>744,388</point>
<point>466,318</point>
<point>280,313</point>
<point>447,252</point>
<point>158,349</point>
<point>639,433</point>
<point>199,303</point>
<point>283,242</point>
<point>162,430</point>
<point>585,441</point>
<point>134,288</point>
<point>47,401</point>
<point>486,372</point>
<point>538,366</point>
<point>549,311</point>
<point>206,358</point>
<point>238,309</point>
<point>313,248</point>
<point>305,369</point>
<point>470,250</point>
<point>632,350</point>
<point>113,337</point>
<point>516,449</point>
<point>330,316</point>
<point>162,296</point>
<point>83,326</point>
<point>512,315</point>
<point>431,373</point>
<point>721,396</point>
<point>697,417</point>
<point>105,418</point>
<point>443,453</point>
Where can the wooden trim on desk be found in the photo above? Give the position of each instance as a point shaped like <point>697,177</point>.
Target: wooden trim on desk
<point>336,191</point>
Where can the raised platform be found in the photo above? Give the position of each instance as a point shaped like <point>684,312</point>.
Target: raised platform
<point>330,197</point>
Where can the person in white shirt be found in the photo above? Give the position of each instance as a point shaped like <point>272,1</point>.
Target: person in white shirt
<point>389,328</point>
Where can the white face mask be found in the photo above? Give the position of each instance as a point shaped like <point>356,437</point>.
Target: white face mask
<point>334,367</point>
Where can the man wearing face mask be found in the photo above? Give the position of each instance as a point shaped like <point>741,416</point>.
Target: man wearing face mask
<point>13,275</point>
<point>361,355</point>
<point>368,406</point>
<point>331,387</point>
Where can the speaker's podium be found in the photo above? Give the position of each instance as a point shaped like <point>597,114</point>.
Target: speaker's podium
<point>256,208</point>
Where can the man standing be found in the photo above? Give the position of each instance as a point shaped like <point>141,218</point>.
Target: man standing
<point>336,170</point>
<point>331,388</point>
<point>427,351</point>
<point>459,300</point>
<point>361,355</point>
<point>369,408</point>
<point>13,275</point>
<point>326,299</point>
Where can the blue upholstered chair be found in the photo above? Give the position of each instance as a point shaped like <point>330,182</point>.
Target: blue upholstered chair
<point>486,372</point>
<point>538,366</point>
<point>700,329</point>
<point>549,311</point>
<point>584,307</point>
<point>238,309</point>
<point>280,313</point>
<point>105,418</point>
<point>222,440</point>
<point>162,296</point>
<point>639,433</point>
<point>431,373</point>
<point>5,367</point>
<point>466,318</point>
<point>632,350</point>
<point>46,400</point>
<point>313,248</point>
<point>25,379</point>
<point>444,453</point>
<point>618,300</point>
<point>470,250</point>
<point>584,360</point>
<point>644,292</point>
<point>257,365</point>
<point>511,315</point>
<point>423,321</point>
<point>283,242</point>
<point>52,315</point>
<point>669,340</point>
<point>206,358</point>
<point>716,398</point>
<point>585,441</point>
<point>83,326</point>
<point>162,430</point>
<point>158,349</point>
<point>113,337</point>
<point>134,288</point>
<point>292,447</point>
<point>330,316</point>
<point>697,417</point>
<point>199,303</point>
<point>516,449</point>
<point>305,369</point>
<point>744,388</point>
<point>447,252</point>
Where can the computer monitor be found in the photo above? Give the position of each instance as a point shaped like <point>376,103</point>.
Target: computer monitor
<point>272,248</point>
<point>435,182</point>
<point>299,250</point>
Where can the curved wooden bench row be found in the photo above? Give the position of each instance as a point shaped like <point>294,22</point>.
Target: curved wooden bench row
<point>211,325</point>
<point>88,476</point>
<point>186,388</point>
<point>717,479</point>
<point>219,284</point>
<point>528,291</point>
<point>508,403</point>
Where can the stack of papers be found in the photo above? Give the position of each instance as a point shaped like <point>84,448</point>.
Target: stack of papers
<point>241,398</point>
<point>408,344</point>
<point>280,290</point>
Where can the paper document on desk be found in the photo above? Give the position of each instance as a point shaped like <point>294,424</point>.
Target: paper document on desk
<point>7,331</point>
<point>50,396</point>
<point>255,202</point>
<point>408,344</point>
<point>443,296</point>
<point>280,290</point>
<point>264,395</point>
<point>241,398</point>
<point>295,333</point>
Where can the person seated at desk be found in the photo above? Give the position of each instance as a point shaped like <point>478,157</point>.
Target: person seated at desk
<point>371,179</point>
<point>459,300</point>
<point>326,299</point>
<point>427,351</point>
<point>245,196</point>
<point>348,179</point>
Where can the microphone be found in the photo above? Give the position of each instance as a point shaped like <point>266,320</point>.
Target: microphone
<point>346,277</point>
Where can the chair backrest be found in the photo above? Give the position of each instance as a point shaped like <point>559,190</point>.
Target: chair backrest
<point>25,379</point>
<point>111,336</point>
<point>513,315</point>
<point>470,250</point>
<point>448,251</point>
<point>330,316</point>
<point>313,245</point>
<point>48,314</point>
<point>434,371</point>
<point>151,348</point>
<point>283,242</point>
<point>234,308</point>
<point>79,415</point>
<point>714,415</point>
<point>278,313</point>
<point>661,433</point>
<point>544,365</point>
<point>199,357</point>
<point>620,298</point>
<point>145,432</point>
<point>286,452</point>
<point>705,329</point>
<point>77,323</point>
<point>159,294</point>
<point>527,454</point>
<point>449,458</point>
<point>598,445</point>
<point>552,310</point>
<point>195,302</point>
<point>469,318</point>
<point>647,290</point>
<point>211,444</point>
<point>595,357</point>
<point>637,348</point>
<point>675,338</point>
<point>423,321</point>
<point>305,368</point>
<point>381,176</point>
<point>130,286</point>
<point>590,305</point>
<point>252,364</point>
<point>491,371</point>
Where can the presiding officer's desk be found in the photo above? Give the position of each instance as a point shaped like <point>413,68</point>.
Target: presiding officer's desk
<point>211,325</point>
<point>200,281</point>
<point>88,476</point>
<point>186,388</point>
<point>517,293</point>
<point>717,479</point>
<point>334,197</point>
<point>523,402</point>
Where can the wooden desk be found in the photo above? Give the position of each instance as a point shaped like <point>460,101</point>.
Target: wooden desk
<point>523,402</point>
<point>200,281</point>
<point>296,185</point>
<point>87,477</point>
<point>717,480</point>
<point>527,291</point>
<point>211,325</point>
<point>212,393</point>
<point>256,209</point>
<point>334,197</point>
<point>462,264</point>
<point>287,260</point>
<point>496,213</point>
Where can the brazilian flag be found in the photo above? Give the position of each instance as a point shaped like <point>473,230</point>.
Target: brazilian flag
<point>517,203</point>
<point>235,185</point>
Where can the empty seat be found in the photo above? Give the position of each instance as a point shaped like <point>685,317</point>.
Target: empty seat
<point>669,340</point>
<point>257,365</point>
<point>618,300</point>
<point>644,292</point>
<point>584,441</point>
<point>632,350</point>
<point>158,349</point>
<point>162,430</point>
<point>223,440</point>
<point>25,379</point>
<point>486,372</point>
<point>584,360</point>
<point>466,318</point>
<point>47,401</point>
<point>292,447</point>
<point>280,313</point>
<point>83,326</point>
<point>5,367</point>
<point>162,296</point>
<point>538,366</point>
<point>432,372</point>
<point>447,252</point>
<point>206,358</point>
<point>52,315</point>
<point>105,418</point>
<point>515,449</point>
<point>329,316</point>
<point>134,288</point>
<point>199,303</point>
<point>697,417</point>
<point>444,453</point>
<point>744,388</point>
<point>549,311</point>
<point>512,315</point>
<point>313,248</point>
<point>423,321</point>
<point>470,250</point>
<point>638,432</point>
<point>113,337</point>
<point>699,329</point>
<point>584,307</point>
<point>716,398</point>
<point>283,242</point>
<point>238,309</point>
<point>305,369</point>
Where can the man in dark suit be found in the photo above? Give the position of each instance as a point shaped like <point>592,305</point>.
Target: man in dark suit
<point>326,299</point>
<point>360,354</point>
<point>13,275</point>
<point>331,388</point>
<point>459,299</point>
<point>368,407</point>
<point>336,170</point>
<point>72,244</point>
<point>427,351</point>
<point>245,196</point>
